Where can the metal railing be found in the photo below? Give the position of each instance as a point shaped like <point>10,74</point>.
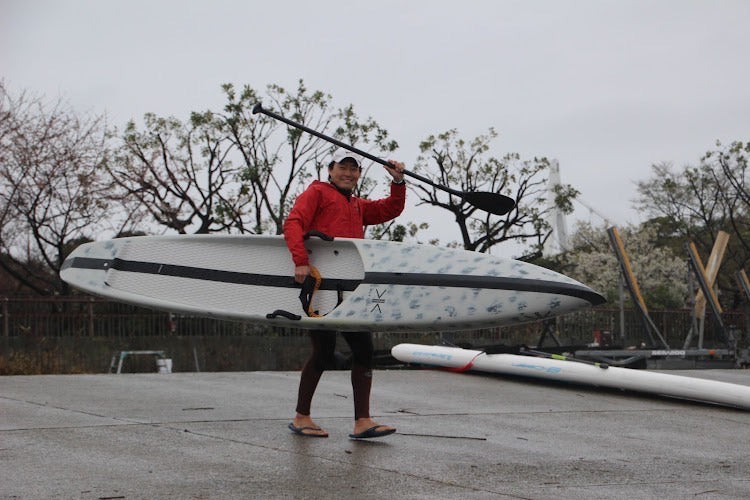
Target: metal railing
<point>90,317</point>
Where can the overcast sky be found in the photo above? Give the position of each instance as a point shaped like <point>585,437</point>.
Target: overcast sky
<point>608,88</point>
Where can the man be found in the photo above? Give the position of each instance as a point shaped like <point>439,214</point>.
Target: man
<point>332,209</point>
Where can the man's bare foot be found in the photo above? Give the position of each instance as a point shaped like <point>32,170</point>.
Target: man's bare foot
<point>304,426</point>
<point>367,428</point>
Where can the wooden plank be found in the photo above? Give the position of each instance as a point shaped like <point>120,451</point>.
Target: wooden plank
<point>712,271</point>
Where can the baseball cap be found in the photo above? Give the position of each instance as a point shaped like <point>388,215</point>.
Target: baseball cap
<point>341,153</point>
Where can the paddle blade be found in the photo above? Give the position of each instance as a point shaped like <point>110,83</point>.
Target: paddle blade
<point>493,203</point>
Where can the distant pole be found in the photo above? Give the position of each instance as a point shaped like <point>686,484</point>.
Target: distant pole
<point>6,322</point>
<point>195,357</point>
<point>91,316</point>
<point>622,308</point>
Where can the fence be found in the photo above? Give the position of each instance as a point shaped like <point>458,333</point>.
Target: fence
<point>79,335</point>
<point>89,317</point>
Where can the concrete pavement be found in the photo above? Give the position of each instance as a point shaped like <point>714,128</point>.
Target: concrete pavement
<point>224,435</point>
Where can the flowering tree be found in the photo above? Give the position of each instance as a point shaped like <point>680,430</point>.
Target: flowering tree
<point>661,273</point>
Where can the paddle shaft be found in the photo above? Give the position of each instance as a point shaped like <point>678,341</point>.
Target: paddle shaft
<point>560,357</point>
<point>260,109</point>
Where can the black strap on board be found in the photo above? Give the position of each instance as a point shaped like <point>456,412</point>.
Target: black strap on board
<point>310,286</point>
<point>318,234</point>
<point>283,314</point>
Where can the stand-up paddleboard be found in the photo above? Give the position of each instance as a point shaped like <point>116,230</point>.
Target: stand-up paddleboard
<point>664,384</point>
<point>366,284</point>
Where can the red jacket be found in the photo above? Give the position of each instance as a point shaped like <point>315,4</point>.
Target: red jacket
<point>322,207</point>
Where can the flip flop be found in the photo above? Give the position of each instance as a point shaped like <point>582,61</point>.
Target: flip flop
<point>372,432</point>
<point>301,431</point>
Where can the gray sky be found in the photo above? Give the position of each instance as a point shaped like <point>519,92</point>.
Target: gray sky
<point>606,87</point>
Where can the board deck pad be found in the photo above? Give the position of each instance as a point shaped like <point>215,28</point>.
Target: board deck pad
<point>252,278</point>
<point>384,285</point>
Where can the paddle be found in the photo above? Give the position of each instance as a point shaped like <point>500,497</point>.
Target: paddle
<point>493,203</point>
<point>561,357</point>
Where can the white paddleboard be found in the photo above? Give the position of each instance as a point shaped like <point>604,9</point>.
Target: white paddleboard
<point>664,384</point>
<point>367,284</point>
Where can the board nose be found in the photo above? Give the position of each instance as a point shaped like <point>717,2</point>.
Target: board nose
<point>595,298</point>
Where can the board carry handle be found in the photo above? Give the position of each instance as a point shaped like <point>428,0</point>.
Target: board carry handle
<point>323,236</point>
<point>494,203</point>
<point>283,314</point>
<point>310,286</point>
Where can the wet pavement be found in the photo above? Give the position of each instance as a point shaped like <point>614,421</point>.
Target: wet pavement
<point>224,435</point>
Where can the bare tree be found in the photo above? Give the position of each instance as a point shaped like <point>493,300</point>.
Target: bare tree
<point>732,162</point>
<point>279,161</point>
<point>449,160</point>
<point>232,170</point>
<point>268,174</point>
<point>181,174</point>
<point>13,112</point>
<point>691,199</point>
<point>51,187</point>
<point>694,203</point>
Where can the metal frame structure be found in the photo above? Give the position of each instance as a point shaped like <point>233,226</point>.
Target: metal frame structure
<point>635,291</point>
<point>709,295</point>
<point>665,356</point>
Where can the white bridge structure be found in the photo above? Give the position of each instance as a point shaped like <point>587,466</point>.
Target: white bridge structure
<point>558,241</point>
